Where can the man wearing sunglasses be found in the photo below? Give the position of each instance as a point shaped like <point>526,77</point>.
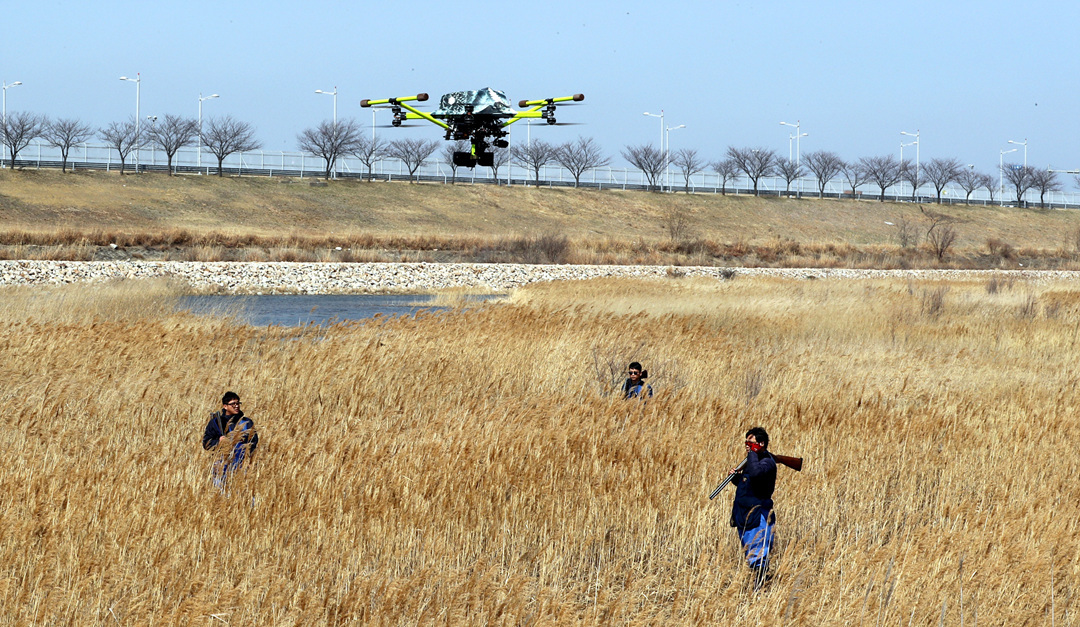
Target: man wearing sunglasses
<point>234,432</point>
<point>752,511</point>
<point>635,386</point>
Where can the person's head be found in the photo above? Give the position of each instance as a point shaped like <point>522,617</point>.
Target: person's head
<point>759,435</point>
<point>230,403</point>
<point>635,371</point>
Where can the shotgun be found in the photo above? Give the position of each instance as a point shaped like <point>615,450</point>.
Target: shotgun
<point>794,463</point>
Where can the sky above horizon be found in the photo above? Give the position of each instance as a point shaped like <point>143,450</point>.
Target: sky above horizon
<point>967,76</point>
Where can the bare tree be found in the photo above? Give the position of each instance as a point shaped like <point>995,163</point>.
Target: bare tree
<point>65,133</point>
<point>910,173</point>
<point>855,175</point>
<point>689,164</point>
<point>941,235</point>
<point>1020,177</point>
<point>969,180</point>
<point>753,162</point>
<point>825,165</point>
<point>225,135</point>
<point>883,171</point>
<point>789,170</point>
<point>499,158</point>
<point>533,155</point>
<point>20,129</point>
<point>649,160</point>
<point>1045,181</point>
<point>369,151</point>
<point>448,156</point>
<point>330,140</point>
<point>941,172</point>
<point>172,134</point>
<point>580,156</point>
<point>990,185</point>
<point>726,170</point>
<point>121,137</point>
<point>412,152</point>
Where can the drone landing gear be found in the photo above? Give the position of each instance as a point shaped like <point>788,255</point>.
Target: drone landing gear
<point>466,160</point>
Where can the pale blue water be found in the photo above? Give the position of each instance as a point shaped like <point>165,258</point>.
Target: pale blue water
<point>300,309</point>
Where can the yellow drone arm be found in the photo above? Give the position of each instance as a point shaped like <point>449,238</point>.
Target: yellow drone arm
<point>536,105</point>
<point>414,113</point>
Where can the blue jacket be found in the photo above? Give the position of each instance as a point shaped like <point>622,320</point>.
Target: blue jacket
<point>753,490</point>
<point>220,425</point>
<point>638,390</point>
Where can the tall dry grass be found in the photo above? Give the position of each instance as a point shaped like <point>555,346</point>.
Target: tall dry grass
<point>473,467</point>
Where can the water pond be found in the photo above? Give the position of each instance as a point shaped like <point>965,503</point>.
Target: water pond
<point>303,309</point>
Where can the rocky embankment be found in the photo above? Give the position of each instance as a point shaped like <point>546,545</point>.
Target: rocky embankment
<point>360,278</point>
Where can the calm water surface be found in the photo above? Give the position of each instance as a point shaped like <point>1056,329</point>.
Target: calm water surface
<point>300,309</point>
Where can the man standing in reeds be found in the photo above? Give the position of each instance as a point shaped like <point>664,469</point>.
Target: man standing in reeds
<point>234,433</point>
<point>752,511</point>
<point>635,386</point>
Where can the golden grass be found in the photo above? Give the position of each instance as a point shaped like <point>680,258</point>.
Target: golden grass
<point>470,468</point>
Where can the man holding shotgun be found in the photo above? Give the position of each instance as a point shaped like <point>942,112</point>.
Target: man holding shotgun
<point>752,511</point>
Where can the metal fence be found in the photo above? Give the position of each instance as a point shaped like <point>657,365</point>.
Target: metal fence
<point>296,164</point>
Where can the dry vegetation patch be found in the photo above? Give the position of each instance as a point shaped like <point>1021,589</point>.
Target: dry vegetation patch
<point>474,467</point>
<point>388,221</point>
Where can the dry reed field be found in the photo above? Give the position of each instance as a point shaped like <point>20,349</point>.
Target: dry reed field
<point>473,467</point>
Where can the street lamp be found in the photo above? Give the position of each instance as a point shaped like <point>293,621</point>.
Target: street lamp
<point>6,85</point>
<point>153,147</point>
<point>198,158</point>
<point>1024,144</point>
<point>1001,170</point>
<point>798,147</point>
<point>334,94</point>
<point>902,146</point>
<point>916,142</point>
<point>138,87</point>
<point>667,154</point>
<point>661,116</point>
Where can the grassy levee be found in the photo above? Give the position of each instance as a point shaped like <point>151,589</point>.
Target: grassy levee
<point>473,467</point>
<point>49,215</point>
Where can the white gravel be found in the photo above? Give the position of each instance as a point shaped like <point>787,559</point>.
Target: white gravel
<point>359,278</point>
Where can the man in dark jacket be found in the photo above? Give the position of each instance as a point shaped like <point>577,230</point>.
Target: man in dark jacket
<point>752,511</point>
<point>635,386</point>
<point>232,430</point>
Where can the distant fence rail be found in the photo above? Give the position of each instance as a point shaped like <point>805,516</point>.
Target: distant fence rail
<point>298,164</point>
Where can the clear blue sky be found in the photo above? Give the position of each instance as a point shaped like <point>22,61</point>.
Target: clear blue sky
<point>969,76</point>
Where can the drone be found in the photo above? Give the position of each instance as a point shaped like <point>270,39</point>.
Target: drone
<point>478,116</point>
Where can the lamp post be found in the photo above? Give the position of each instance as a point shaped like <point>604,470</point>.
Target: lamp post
<point>916,142</point>
<point>1024,144</point>
<point>1001,170</point>
<point>798,147</point>
<point>153,148</point>
<point>902,146</point>
<point>334,94</point>
<point>198,157</point>
<point>667,155</point>
<point>661,116</point>
<point>138,88</point>
<point>6,85</point>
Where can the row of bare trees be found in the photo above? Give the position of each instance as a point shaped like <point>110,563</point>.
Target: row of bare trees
<point>825,166</point>
<point>222,136</point>
<point>333,140</point>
